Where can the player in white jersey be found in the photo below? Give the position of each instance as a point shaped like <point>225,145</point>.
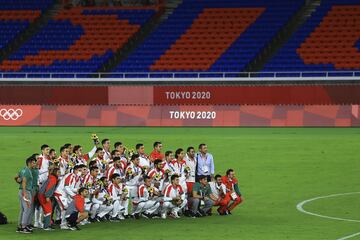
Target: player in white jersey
<point>43,164</point>
<point>64,162</point>
<point>147,201</point>
<point>191,163</point>
<point>100,162</point>
<point>145,162</point>
<point>119,194</point>
<point>106,149</point>
<point>133,177</point>
<point>174,198</point>
<point>157,174</point>
<point>102,202</point>
<point>178,166</point>
<point>117,167</point>
<point>66,190</point>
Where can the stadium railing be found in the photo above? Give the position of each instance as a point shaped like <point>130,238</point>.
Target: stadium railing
<point>183,76</point>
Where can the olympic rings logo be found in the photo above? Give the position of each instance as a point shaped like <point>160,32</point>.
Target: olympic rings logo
<point>11,114</point>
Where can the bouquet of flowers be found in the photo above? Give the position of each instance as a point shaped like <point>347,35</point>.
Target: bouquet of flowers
<point>187,169</point>
<point>95,138</point>
<point>157,176</point>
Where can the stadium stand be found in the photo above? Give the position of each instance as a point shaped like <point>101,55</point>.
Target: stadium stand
<point>77,40</point>
<point>16,15</point>
<point>328,41</point>
<point>199,36</point>
<point>204,36</point>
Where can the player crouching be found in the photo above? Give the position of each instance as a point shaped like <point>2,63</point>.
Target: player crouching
<point>147,203</point>
<point>75,213</point>
<point>174,198</point>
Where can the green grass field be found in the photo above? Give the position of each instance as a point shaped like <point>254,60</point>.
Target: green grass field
<point>277,168</point>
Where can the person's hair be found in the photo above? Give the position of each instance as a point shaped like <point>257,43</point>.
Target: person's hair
<point>76,147</point>
<point>157,161</point>
<point>229,171</point>
<point>189,148</point>
<point>104,141</point>
<point>78,167</point>
<point>201,145</point>
<point>217,176</point>
<point>115,175</point>
<point>93,168</point>
<point>92,163</point>
<point>167,153</point>
<point>173,177</point>
<point>82,165</point>
<point>51,150</point>
<point>117,144</point>
<point>116,159</point>
<point>146,178</point>
<point>44,146</point>
<point>113,152</point>
<point>54,171</point>
<point>63,148</point>
<point>201,177</point>
<point>82,189</point>
<point>34,155</point>
<point>103,179</point>
<point>98,150</point>
<point>29,160</point>
<point>156,143</point>
<point>178,151</point>
<point>67,145</point>
<point>139,145</point>
<point>134,156</point>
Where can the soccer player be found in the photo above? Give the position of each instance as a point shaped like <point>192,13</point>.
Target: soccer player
<point>157,174</point>
<point>46,192</point>
<point>79,157</point>
<point>147,205</point>
<point>232,190</point>
<point>119,196</point>
<point>205,163</point>
<point>219,191</point>
<point>25,197</point>
<point>106,149</point>
<point>174,198</point>
<point>102,202</point>
<point>66,190</point>
<point>191,163</point>
<point>117,167</point>
<point>156,153</point>
<point>144,159</point>
<point>169,157</point>
<point>76,213</point>
<point>133,177</point>
<point>63,161</point>
<point>101,163</point>
<point>178,166</point>
<point>43,163</point>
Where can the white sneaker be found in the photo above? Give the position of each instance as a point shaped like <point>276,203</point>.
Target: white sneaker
<point>38,225</point>
<point>84,222</point>
<point>175,214</point>
<point>64,227</point>
<point>121,217</point>
<point>163,215</point>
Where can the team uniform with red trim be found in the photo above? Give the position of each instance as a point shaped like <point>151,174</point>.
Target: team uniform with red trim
<point>190,179</point>
<point>157,176</point>
<point>43,163</point>
<point>179,169</point>
<point>172,192</point>
<point>120,206</point>
<point>146,201</point>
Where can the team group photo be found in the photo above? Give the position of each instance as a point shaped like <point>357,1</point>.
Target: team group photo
<point>112,183</point>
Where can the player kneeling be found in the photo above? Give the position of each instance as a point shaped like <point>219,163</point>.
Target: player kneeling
<point>174,198</point>
<point>147,202</point>
<point>75,212</point>
<point>119,195</point>
<point>102,202</point>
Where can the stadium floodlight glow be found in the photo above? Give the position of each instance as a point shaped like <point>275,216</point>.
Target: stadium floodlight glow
<point>11,114</point>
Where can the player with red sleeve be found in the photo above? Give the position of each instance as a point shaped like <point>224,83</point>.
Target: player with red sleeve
<point>157,175</point>
<point>76,210</point>
<point>233,193</point>
<point>46,192</point>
